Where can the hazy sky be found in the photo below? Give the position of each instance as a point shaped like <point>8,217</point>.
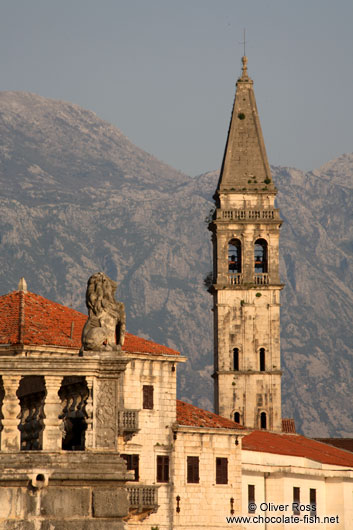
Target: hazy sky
<point>164,71</point>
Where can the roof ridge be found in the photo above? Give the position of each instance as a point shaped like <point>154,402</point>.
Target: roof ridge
<point>22,317</point>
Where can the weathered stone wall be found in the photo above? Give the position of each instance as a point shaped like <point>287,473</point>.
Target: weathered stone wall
<point>206,504</point>
<point>155,436</point>
<point>41,491</point>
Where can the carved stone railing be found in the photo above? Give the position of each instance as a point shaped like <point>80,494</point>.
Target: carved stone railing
<point>261,279</point>
<point>128,423</point>
<point>143,498</point>
<point>248,215</point>
<point>235,278</point>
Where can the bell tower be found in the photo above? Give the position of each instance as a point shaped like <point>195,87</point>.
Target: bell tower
<point>246,284</point>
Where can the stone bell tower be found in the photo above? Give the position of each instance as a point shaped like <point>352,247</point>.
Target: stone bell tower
<point>246,284</point>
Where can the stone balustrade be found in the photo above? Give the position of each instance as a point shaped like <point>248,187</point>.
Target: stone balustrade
<point>261,279</point>
<point>238,279</point>
<point>128,421</point>
<point>248,215</point>
<point>143,497</point>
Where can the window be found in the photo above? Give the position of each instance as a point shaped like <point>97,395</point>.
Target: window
<point>236,359</point>
<point>234,256</point>
<point>312,501</point>
<point>296,501</point>
<point>251,498</point>
<point>263,420</point>
<point>162,468</point>
<point>132,464</point>
<point>260,256</point>
<point>193,470</point>
<point>262,359</point>
<point>147,397</point>
<point>221,470</point>
<point>237,417</point>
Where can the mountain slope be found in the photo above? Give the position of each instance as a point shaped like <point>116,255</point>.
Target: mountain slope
<point>77,197</point>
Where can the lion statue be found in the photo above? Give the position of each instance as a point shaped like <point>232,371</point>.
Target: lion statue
<point>105,327</point>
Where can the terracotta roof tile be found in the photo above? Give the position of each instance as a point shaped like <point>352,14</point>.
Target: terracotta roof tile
<point>192,416</point>
<point>29,319</point>
<point>296,445</point>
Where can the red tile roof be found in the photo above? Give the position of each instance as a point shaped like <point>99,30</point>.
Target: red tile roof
<point>296,445</point>
<point>29,319</point>
<point>341,443</point>
<point>194,417</point>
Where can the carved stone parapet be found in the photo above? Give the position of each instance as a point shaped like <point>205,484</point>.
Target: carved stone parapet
<point>106,414</point>
<point>11,410</point>
<point>52,435</point>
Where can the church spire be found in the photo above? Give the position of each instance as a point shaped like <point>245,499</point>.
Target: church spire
<point>245,166</point>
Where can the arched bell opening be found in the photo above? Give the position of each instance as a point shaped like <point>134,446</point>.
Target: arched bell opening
<point>234,256</point>
<point>260,256</point>
<point>73,394</point>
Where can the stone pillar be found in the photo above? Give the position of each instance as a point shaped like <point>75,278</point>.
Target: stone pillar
<point>89,435</point>
<point>52,435</point>
<point>11,410</point>
<point>106,415</point>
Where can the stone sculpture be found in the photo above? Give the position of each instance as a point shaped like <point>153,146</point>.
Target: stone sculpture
<point>105,327</point>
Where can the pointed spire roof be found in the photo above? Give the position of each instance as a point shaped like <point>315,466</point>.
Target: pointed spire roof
<point>245,165</point>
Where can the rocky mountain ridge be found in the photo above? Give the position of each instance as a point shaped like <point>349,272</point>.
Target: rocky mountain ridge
<point>78,196</point>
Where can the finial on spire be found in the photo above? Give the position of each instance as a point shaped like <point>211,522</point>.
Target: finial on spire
<point>22,285</point>
<point>244,60</point>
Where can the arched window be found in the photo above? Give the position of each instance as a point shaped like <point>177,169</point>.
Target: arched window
<point>236,359</point>
<point>262,360</point>
<point>237,417</point>
<point>263,420</point>
<point>260,254</point>
<point>234,256</point>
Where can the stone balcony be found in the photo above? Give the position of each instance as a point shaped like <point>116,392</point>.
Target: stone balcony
<point>143,500</point>
<point>128,424</point>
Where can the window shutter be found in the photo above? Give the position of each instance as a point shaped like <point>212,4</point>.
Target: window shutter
<point>162,468</point>
<point>296,499</point>
<point>251,497</point>
<point>147,391</point>
<point>312,501</point>
<point>193,470</point>
<point>221,471</point>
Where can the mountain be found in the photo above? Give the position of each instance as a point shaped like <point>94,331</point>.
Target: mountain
<point>78,197</point>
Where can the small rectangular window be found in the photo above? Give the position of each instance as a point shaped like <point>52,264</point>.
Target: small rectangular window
<point>193,470</point>
<point>251,498</point>
<point>132,464</point>
<point>221,470</point>
<point>147,391</point>
<point>312,501</point>
<point>162,468</point>
<point>296,501</point>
